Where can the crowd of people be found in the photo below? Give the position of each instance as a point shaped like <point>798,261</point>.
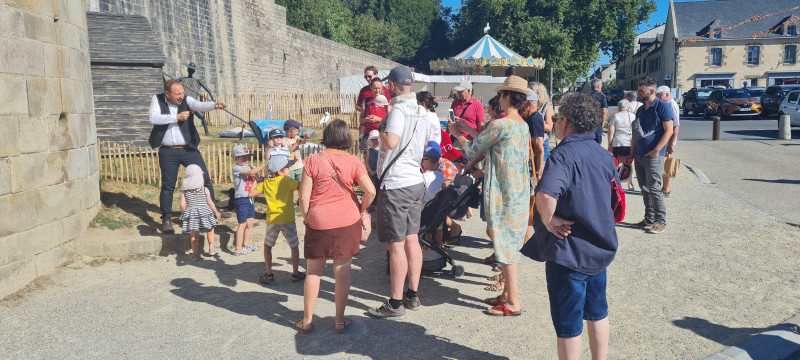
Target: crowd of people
<point>551,206</point>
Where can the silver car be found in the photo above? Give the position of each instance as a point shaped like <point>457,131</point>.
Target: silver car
<point>790,106</point>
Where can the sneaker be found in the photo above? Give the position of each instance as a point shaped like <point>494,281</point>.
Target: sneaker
<point>644,224</point>
<point>244,251</point>
<point>214,251</point>
<point>252,248</point>
<point>412,303</point>
<point>386,311</point>
<point>657,229</point>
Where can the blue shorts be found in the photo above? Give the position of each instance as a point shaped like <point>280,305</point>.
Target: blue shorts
<point>574,297</point>
<point>245,209</point>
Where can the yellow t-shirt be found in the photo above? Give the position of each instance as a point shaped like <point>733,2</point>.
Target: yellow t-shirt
<point>279,192</point>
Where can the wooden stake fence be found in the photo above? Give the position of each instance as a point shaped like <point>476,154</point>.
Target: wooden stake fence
<point>133,164</point>
<point>308,109</point>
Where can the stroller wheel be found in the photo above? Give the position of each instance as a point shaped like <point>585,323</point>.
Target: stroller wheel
<point>458,270</point>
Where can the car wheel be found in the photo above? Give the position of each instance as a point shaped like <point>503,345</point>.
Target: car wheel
<point>706,115</point>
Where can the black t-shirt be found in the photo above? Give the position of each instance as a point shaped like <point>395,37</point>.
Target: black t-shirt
<point>535,125</point>
<point>601,98</point>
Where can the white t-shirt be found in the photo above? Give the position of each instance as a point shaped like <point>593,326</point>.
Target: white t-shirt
<point>434,129</point>
<point>409,121</point>
<point>434,180</point>
<point>633,106</point>
<point>676,111</point>
<point>622,129</point>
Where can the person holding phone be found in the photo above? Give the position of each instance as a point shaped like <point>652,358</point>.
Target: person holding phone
<point>467,108</point>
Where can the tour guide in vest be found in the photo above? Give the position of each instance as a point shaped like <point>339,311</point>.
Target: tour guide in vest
<point>176,138</point>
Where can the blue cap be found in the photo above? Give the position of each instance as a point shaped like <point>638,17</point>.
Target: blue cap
<point>401,75</point>
<point>290,124</point>
<point>276,132</point>
<point>432,150</point>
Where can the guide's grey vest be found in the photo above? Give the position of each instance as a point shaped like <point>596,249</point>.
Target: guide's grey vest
<point>187,128</point>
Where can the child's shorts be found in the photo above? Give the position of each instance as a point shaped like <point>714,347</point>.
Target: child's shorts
<point>245,209</point>
<point>574,297</point>
<point>289,232</point>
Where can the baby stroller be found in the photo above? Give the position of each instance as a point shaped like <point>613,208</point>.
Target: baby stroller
<point>463,193</point>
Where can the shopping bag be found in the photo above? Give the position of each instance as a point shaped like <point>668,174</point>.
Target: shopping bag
<point>671,166</point>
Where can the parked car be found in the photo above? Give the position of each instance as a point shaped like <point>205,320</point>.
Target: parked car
<point>772,97</point>
<point>695,101</point>
<point>756,91</point>
<point>790,106</point>
<point>613,96</point>
<point>732,102</point>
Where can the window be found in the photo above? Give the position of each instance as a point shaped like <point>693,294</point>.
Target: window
<point>772,90</point>
<point>792,98</point>
<point>790,54</point>
<point>716,57</point>
<point>752,81</point>
<point>717,34</point>
<point>791,30</point>
<point>654,65</point>
<point>752,55</point>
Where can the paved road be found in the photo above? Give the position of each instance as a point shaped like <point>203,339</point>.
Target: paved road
<point>749,163</point>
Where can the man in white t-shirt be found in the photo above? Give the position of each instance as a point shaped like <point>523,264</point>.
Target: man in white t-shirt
<point>663,93</point>
<point>402,135</point>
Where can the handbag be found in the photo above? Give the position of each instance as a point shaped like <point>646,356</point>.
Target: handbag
<point>671,166</point>
<point>617,201</point>
<point>366,219</point>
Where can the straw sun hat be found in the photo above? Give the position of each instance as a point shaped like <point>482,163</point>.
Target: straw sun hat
<point>514,83</point>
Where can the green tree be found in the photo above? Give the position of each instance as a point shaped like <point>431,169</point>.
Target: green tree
<point>327,18</point>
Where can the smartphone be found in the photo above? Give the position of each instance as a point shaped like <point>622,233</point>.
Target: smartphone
<point>451,115</point>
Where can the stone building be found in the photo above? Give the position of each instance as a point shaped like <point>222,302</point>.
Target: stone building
<point>49,183</point>
<point>716,43</point>
<point>643,61</point>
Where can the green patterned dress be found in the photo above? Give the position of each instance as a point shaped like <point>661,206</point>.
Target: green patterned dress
<point>506,184</point>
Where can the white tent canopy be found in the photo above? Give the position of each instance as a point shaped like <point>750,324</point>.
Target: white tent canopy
<point>438,85</point>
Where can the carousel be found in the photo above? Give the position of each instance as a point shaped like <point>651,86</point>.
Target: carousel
<point>488,57</point>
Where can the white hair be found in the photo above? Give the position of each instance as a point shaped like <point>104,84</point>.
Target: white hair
<point>623,105</point>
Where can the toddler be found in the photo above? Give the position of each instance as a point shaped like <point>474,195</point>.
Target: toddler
<point>279,192</point>
<point>199,211</point>
<point>372,155</point>
<point>293,142</point>
<point>243,181</point>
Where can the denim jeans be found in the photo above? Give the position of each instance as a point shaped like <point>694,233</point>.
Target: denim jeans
<point>574,297</point>
<point>648,174</point>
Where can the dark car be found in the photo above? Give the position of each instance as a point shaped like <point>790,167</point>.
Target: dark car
<point>756,91</point>
<point>731,102</point>
<point>695,101</point>
<point>613,96</point>
<point>772,97</point>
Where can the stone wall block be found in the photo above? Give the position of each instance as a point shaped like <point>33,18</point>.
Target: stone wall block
<point>40,27</point>
<point>11,22</point>
<point>5,176</point>
<point>38,98</point>
<point>25,245</point>
<point>13,94</point>
<point>48,261</point>
<point>19,212</point>
<point>34,133</point>
<point>73,12</point>
<point>15,276</point>
<point>76,165</point>
<point>52,200</point>
<point>72,226</point>
<point>52,60</point>
<point>9,146</point>
<point>33,171</point>
<point>76,96</point>
<point>30,5</point>
<point>54,94</point>
<point>21,56</point>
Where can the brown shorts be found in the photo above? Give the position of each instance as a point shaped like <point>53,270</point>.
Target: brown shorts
<point>337,243</point>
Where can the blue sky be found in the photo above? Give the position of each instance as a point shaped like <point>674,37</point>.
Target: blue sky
<point>659,16</point>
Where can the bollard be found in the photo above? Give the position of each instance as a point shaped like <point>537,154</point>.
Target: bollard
<point>715,135</point>
<point>784,128</point>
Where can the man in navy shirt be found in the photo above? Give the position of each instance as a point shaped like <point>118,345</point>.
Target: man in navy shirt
<point>574,228</point>
<point>597,87</point>
<point>535,123</point>
<point>650,132</point>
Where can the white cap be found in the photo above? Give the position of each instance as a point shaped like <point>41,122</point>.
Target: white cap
<point>374,134</point>
<point>532,96</point>
<point>464,85</point>
<point>662,89</point>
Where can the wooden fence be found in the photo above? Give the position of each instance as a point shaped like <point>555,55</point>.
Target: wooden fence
<point>138,165</point>
<point>308,109</point>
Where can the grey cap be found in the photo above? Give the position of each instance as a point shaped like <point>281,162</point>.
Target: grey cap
<point>463,85</point>
<point>401,75</point>
<point>241,150</point>
<point>532,96</point>
<point>662,89</point>
<point>277,163</point>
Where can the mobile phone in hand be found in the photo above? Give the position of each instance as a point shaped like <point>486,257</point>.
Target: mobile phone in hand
<point>451,115</point>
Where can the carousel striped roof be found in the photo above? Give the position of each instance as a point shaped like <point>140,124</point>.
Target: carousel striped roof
<point>487,47</point>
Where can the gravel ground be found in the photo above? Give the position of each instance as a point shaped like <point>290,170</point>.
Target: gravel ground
<point>722,272</point>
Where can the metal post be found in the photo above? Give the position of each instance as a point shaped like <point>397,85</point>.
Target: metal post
<point>784,128</point>
<point>551,81</point>
<point>716,120</point>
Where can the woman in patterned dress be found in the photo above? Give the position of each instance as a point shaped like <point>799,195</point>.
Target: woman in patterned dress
<point>506,186</point>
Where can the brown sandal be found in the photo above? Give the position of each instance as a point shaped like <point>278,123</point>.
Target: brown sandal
<point>303,327</point>
<point>498,286</point>
<point>344,325</point>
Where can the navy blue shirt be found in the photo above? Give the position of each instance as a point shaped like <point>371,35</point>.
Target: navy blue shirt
<point>578,175</point>
<point>535,125</point>
<point>601,98</point>
<point>650,121</point>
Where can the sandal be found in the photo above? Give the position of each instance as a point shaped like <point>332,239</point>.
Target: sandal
<point>266,278</point>
<point>341,327</point>
<point>503,311</point>
<point>214,251</point>
<point>298,277</point>
<point>303,327</point>
<point>495,301</point>
<point>489,260</point>
<point>498,286</point>
<point>194,257</point>
<point>497,277</point>
<point>497,268</point>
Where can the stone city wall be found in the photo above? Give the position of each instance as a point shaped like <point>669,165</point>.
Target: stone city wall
<point>245,46</point>
<point>49,184</point>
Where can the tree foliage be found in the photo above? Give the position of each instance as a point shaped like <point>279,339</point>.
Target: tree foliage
<point>569,33</point>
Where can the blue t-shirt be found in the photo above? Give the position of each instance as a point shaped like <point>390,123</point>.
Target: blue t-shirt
<point>578,174</point>
<point>535,125</point>
<point>650,121</point>
<point>373,159</point>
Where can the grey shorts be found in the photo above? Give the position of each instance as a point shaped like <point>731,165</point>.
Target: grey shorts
<point>289,232</point>
<point>398,212</point>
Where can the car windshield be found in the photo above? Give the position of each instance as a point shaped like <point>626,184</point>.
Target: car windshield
<point>786,90</point>
<point>703,93</point>
<point>756,93</point>
<point>737,93</point>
